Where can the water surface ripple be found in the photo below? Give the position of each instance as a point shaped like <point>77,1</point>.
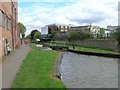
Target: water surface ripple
<point>81,71</point>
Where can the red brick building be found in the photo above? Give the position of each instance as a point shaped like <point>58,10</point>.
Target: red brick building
<point>8,26</point>
<point>64,28</point>
<point>55,27</point>
<point>52,29</point>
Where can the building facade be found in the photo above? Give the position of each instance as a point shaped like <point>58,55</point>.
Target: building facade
<point>9,26</point>
<point>49,29</point>
<point>64,28</point>
<point>111,29</point>
<point>52,29</point>
<point>88,28</point>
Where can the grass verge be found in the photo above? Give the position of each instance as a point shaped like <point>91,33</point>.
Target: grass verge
<point>87,49</point>
<point>37,70</point>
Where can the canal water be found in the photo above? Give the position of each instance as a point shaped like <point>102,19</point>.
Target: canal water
<point>81,71</point>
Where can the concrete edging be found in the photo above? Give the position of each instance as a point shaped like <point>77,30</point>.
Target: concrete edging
<point>57,66</point>
<point>95,53</point>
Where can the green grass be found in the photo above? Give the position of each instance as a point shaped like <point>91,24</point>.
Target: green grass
<point>94,50</point>
<point>55,44</point>
<point>37,70</point>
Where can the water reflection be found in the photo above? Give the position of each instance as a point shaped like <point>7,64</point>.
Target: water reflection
<point>81,71</point>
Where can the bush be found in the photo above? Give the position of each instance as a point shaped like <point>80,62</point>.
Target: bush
<point>37,35</point>
<point>79,35</point>
<point>117,34</point>
<point>28,36</point>
<point>73,36</point>
<point>84,35</point>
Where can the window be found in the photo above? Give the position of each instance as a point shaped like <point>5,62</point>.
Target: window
<point>2,19</point>
<point>8,23</point>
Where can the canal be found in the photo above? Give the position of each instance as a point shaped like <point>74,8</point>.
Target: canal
<point>81,71</point>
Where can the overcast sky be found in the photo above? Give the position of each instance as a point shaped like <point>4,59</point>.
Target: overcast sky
<point>36,14</point>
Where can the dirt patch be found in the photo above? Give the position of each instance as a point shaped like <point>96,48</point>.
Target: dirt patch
<point>56,77</point>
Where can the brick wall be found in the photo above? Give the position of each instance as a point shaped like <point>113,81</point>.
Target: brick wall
<point>6,34</point>
<point>0,44</point>
<point>9,34</point>
<point>98,43</point>
<point>95,43</point>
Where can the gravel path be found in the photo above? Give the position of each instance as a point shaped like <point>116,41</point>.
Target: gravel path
<point>11,64</point>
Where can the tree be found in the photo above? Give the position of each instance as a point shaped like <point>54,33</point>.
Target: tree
<point>73,36</point>
<point>79,35</point>
<point>28,36</point>
<point>117,34</point>
<point>37,35</point>
<point>85,35</point>
<point>55,37</point>
<point>53,32</point>
<point>33,33</point>
<point>101,33</point>
<point>22,29</point>
<point>60,36</point>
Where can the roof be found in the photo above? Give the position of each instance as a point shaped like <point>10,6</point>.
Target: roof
<point>60,25</point>
<point>84,26</point>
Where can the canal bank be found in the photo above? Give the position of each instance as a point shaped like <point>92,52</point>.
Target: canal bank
<point>82,71</point>
<point>84,51</point>
<point>95,53</point>
<point>57,72</point>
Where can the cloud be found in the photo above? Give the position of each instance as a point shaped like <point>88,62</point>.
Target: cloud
<point>94,12</point>
<point>37,15</point>
<point>48,0</point>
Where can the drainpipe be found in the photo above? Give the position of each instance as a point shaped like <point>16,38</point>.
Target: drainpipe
<point>12,26</point>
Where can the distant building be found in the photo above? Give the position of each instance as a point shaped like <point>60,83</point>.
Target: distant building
<point>44,30</point>
<point>111,29</point>
<point>49,29</point>
<point>64,28</point>
<point>93,29</point>
<point>108,31</point>
<point>52,29</point>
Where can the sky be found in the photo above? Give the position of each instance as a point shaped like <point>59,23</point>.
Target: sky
<point>38,13</point>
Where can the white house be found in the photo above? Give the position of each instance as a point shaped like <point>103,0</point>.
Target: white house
<point>112,28</point>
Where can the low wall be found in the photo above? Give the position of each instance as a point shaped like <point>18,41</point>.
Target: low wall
<point>98,43</point>
<point>95,43</point>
